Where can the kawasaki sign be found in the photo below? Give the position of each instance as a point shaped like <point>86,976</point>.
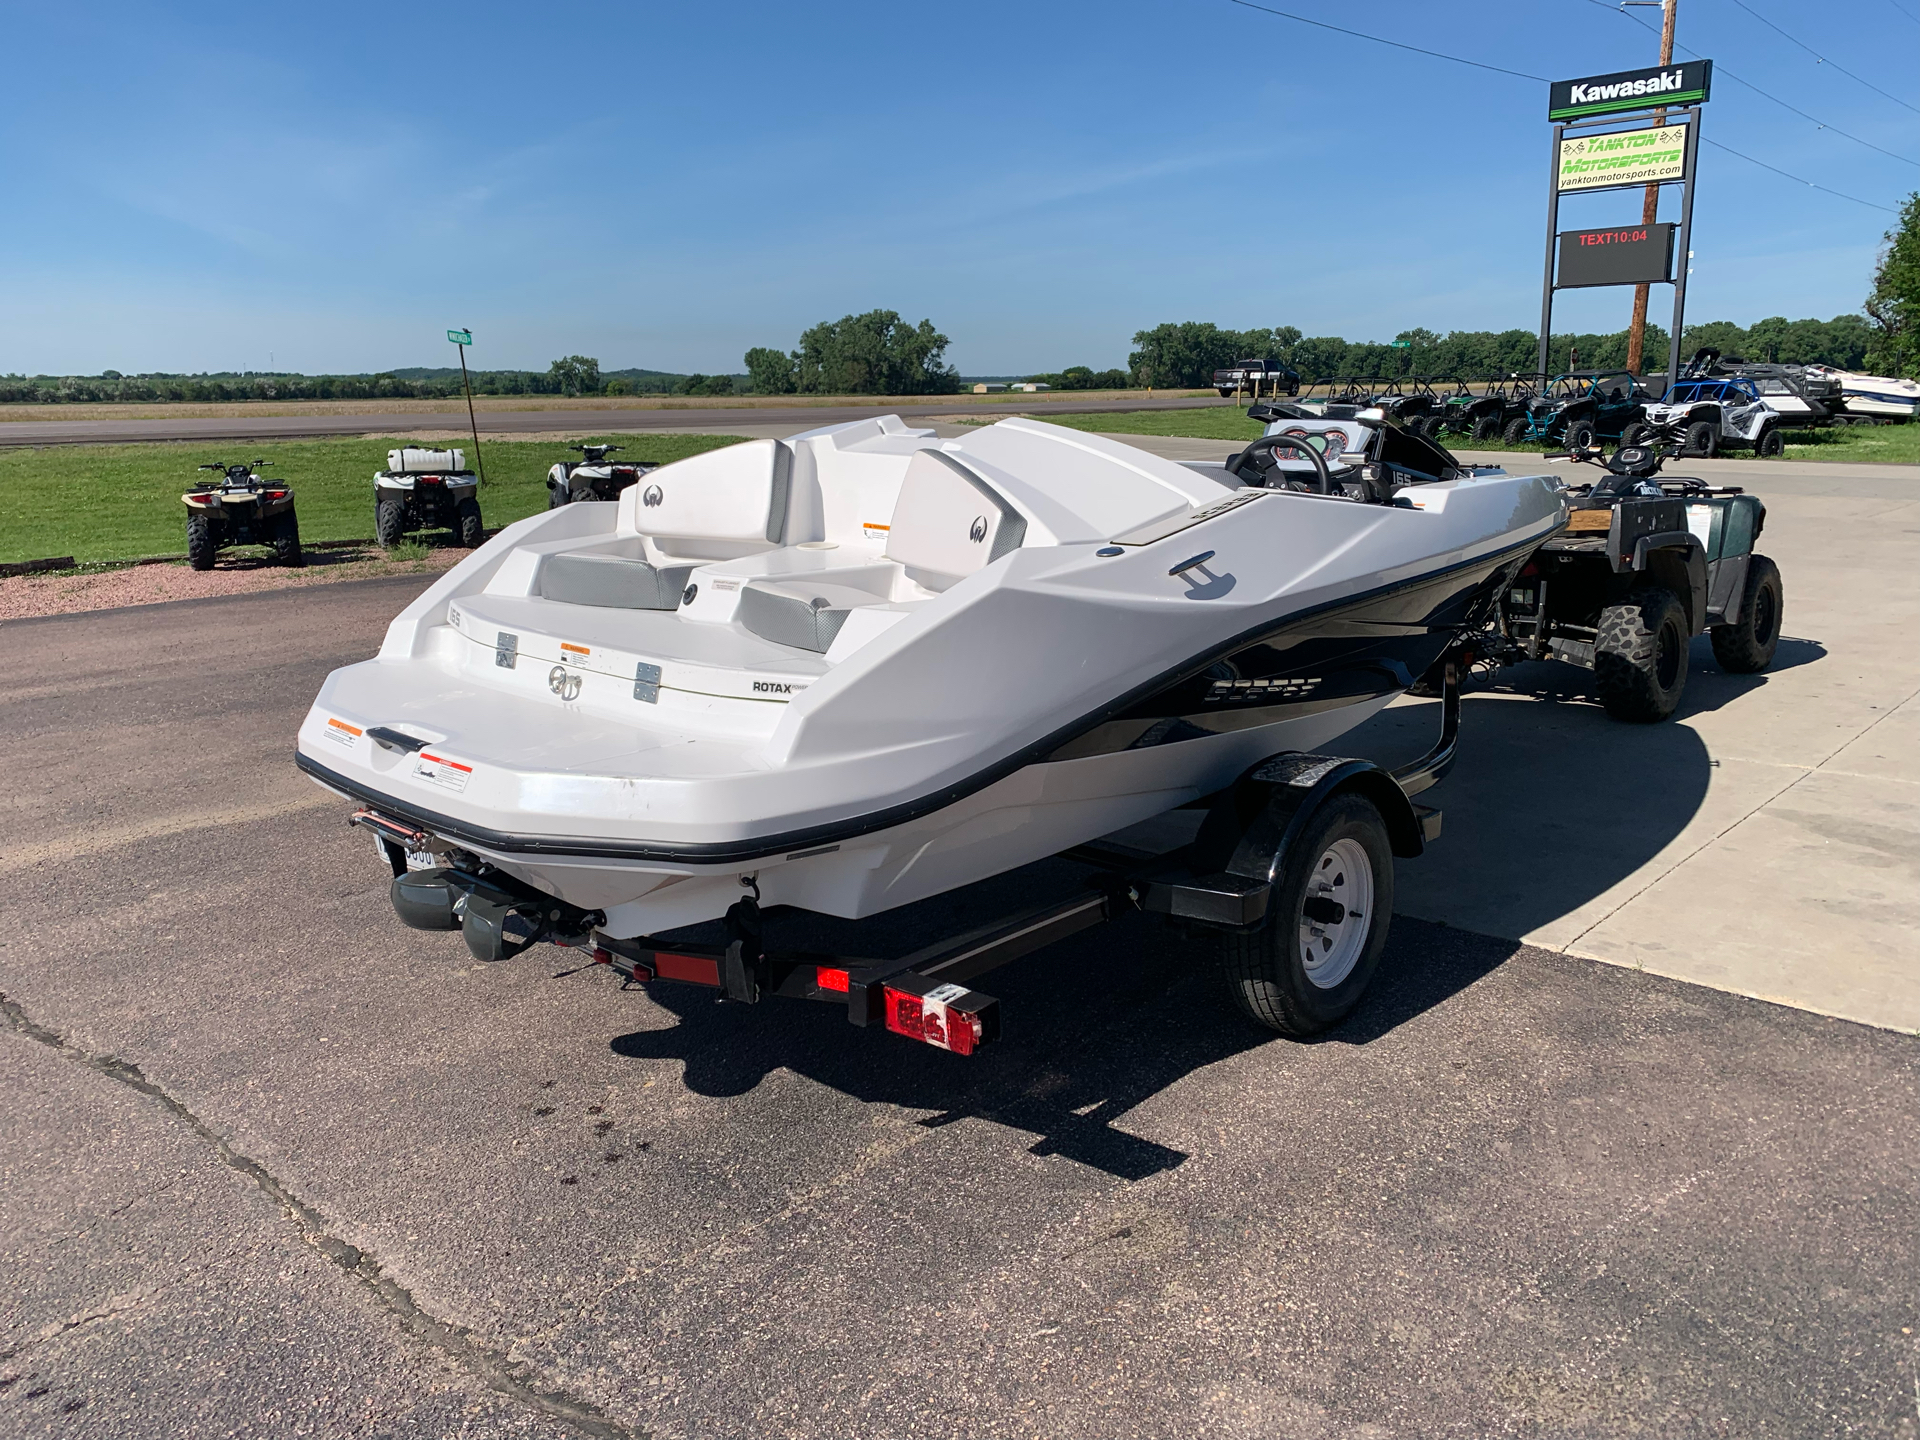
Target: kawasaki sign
<point>1684,84</point>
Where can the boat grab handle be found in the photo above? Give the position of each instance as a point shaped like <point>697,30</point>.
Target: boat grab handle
<point>1200,559</point>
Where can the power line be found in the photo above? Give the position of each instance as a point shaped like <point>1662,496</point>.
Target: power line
<point>1904,11</point>
<point>1795,178</point>
<point>1821,58</point>
<point>1768,95</point>
<point>1362,35</point>
<point>1522,75</point>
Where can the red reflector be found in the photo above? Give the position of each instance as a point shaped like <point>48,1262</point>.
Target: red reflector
<point>695,969</point>
<point>827,978</point>
<point>1529,569</point>
<point>200,499</point>
<point>929,1019</point>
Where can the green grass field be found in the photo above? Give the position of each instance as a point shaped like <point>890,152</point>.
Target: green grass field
<point>1898,444</point>
<point>119,502</point>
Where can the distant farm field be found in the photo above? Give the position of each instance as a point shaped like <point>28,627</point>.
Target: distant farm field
<point>120,502</point>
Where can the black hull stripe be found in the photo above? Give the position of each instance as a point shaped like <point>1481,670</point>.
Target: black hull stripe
<point>728,852</point>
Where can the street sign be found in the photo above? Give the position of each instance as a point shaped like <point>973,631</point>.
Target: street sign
<point>1398,344</point>
<point>1615,255</point>
<point>1647,155</point>
<point>1687,83</point>
<point>460,337</point>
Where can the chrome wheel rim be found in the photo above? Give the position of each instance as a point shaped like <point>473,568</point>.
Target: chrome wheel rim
<point>1329,949</point>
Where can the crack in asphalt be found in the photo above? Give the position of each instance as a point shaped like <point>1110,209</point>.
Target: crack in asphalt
<point>496,1370</point>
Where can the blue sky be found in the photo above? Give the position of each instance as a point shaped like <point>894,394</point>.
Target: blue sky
<point>225,186</point>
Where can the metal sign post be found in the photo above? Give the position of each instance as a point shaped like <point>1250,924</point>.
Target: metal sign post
<point>462,339</point>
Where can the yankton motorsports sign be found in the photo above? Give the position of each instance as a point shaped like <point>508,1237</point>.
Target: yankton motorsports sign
<point>1684,84</point>
<point>1649,155</point>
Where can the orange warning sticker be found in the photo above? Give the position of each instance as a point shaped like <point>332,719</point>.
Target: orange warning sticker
<point>341,732</point>
<point>572,649</point>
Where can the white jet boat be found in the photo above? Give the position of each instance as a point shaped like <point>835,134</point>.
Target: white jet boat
<point>1874,397</point>
<point>864,665</point>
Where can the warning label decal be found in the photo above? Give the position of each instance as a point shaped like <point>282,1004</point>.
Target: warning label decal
<point>447,774</point>
<point>341,732</point>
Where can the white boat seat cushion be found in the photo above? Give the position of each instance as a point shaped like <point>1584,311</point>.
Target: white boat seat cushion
<point>613,581</point>
<point>805,614</point>
<point>738,494</point>
<point>948,522</point>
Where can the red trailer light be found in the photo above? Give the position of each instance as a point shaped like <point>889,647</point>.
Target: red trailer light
<point>828,978</point>
<point>931,1019</point>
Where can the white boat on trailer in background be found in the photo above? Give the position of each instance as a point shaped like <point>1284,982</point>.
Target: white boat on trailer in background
<point>861,666</point>
<point>1873,398</point>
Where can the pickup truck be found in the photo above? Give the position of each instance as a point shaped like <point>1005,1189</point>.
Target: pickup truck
<point>1262,377</point>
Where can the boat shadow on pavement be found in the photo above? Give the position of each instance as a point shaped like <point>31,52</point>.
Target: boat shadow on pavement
<point>1104,1021</point>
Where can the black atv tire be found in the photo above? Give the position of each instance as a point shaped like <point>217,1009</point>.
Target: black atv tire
<point>1703,439</point>
<point>1772,443</point>
<point>1267,969</point>
<point>1746,647</point>
<point>286,539</point>
<point>1486,427</point>
<point>202,545</point>
<point>556,497</point>
<point>471,533</point>
<point>1640,656</point>
<point>1515,433</point>
<point>389,522</point>
<point>1582,436</point>
<point>1635,434</point>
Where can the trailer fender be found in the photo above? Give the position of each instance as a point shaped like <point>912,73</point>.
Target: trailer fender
<point>1286,790</point>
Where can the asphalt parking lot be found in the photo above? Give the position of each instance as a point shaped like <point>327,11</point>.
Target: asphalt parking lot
<point>273,1164</point>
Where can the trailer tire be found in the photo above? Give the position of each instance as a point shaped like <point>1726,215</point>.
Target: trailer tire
<point>1486,427</point>
<point>1299,975</point>
<point>1515,433</point>
<point>389,522</point>
<point>286,538</point>
<point>1640,656</point>
<point>1746,647</point>
<point>467,524</point>
<point>1702,439</point>
<point>1771,444</point>
<point>201,545</point>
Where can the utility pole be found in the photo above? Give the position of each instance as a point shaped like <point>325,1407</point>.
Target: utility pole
<point>1650,209</point>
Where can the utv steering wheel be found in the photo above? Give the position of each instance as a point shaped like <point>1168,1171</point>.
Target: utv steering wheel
<point>1262,450</point>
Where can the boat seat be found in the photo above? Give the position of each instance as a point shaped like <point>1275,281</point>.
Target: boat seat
<point>805,614</point>
<point>717,506</point>
<point>612,581</point>
<point>949,523</point>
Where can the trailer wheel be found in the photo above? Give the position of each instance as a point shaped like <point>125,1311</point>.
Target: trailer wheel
<point>1515,433</point>
<point>467,523</point>
<point>1311,963</point>
<point>1702,439</point>
<point>1747,647</point>
<point>1772,443</point>
<point>286,538</point>
<point>1640,657</point>
<point>201,546</point>
<point>389,522</point>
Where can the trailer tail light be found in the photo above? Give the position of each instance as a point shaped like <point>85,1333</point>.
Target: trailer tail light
<point>936,1018</point>
<point>828,978</point>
